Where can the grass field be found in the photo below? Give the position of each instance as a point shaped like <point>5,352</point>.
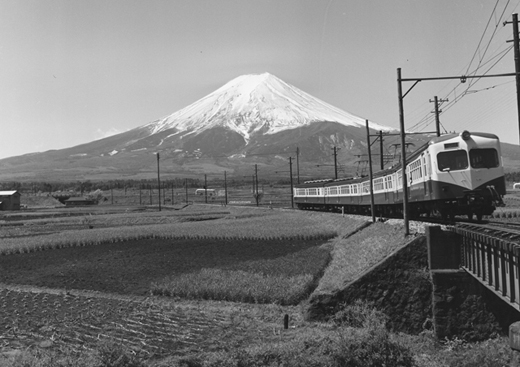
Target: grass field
<point>74,280</point>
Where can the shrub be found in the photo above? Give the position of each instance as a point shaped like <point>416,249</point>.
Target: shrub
<point>343,348</point>
<point>360,315</point>
<point>372,349</point>
<point>490,353</point>
<point>112,354</point>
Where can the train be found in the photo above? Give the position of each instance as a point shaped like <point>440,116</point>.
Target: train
<point>458,174</point>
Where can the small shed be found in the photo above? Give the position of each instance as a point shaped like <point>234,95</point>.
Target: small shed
<point>79,201</point>
<point>10,200</point>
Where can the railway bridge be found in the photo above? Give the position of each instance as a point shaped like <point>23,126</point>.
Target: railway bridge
<point>468,252</point>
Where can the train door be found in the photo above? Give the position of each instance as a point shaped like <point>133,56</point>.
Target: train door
<point>426,175</point>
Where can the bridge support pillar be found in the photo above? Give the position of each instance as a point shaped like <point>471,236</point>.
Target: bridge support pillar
<point>458,305</point>
<point>514,342</point>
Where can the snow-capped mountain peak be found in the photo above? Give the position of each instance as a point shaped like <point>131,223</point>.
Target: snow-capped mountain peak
<point>258,103</point>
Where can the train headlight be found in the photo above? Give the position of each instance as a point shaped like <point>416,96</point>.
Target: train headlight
<point>465,135</point>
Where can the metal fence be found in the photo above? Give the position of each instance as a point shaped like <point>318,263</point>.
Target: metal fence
<point>493,260</point>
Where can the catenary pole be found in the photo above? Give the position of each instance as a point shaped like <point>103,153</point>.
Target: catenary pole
<point>517,63</point>
<point>372,209</point>
<point>403,153</point>
<point>382,158</point>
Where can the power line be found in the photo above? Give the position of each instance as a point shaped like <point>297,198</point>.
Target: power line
<point>426,120</point>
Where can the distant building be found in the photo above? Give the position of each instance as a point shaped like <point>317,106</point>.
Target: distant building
<point>210,192</point>
<point>10,200</point>
<point>77,201</point>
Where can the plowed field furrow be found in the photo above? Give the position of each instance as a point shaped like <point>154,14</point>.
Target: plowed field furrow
<point>153,324</point>
<point>82,322</point>
<point>85,295</point>
<point>121,327</point>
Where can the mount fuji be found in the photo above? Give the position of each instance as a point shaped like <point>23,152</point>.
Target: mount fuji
<point>254,104</point>
<point>252,118</point>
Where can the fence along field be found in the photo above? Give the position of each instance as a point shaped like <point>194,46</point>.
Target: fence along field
<point>267,249</point>
<point>269,195</point>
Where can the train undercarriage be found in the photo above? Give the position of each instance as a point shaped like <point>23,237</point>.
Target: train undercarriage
<point>473,205</point>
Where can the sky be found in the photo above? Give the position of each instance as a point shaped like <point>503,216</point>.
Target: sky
<point>73,71</point>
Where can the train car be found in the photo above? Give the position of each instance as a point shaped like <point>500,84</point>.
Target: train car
<point>454,174</point>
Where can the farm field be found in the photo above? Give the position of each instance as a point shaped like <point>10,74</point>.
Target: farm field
<point>130,267</point>
<point>79,294</point>
<point>72,280</point>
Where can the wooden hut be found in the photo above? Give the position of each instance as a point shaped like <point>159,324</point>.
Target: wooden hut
<point>10,200</point>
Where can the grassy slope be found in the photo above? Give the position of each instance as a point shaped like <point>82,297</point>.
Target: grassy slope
<point>354,255</point>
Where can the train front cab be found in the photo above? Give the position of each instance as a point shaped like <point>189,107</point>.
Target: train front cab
<point>467,174</point>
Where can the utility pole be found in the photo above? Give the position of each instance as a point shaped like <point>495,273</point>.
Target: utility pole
<point>290,174</point>
<point>225,187</point>
<point>186,181</point>
<point>437,101</point>
<point>335,163</point>
<point>206,188</point>
<point>158,182</point>
<point>256,183</point>
<point>298,164</point>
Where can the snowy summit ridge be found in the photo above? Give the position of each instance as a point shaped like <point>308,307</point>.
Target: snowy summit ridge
<point>255,103</point>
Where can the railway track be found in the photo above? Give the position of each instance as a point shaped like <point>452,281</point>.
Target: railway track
<point>505,230</point>
<point>509,231</point>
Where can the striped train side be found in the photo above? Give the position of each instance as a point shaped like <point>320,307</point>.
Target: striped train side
<point>454,174</point>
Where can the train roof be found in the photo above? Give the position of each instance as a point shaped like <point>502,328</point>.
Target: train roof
<point>445,137</point>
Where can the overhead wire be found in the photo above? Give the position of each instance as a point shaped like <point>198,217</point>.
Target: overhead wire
<point>428,118</point>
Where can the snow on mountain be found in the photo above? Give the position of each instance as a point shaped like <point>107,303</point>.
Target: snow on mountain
<point>252,104</point>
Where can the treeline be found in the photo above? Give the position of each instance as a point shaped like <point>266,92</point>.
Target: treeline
<point>89,186</point>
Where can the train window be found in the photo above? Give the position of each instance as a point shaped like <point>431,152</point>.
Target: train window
<point>452,161</point>
<point>379,184</point>
<point>345,190</point>
<point>483,158</point>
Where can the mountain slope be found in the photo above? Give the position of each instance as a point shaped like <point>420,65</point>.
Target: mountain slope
<point>251,118</point>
